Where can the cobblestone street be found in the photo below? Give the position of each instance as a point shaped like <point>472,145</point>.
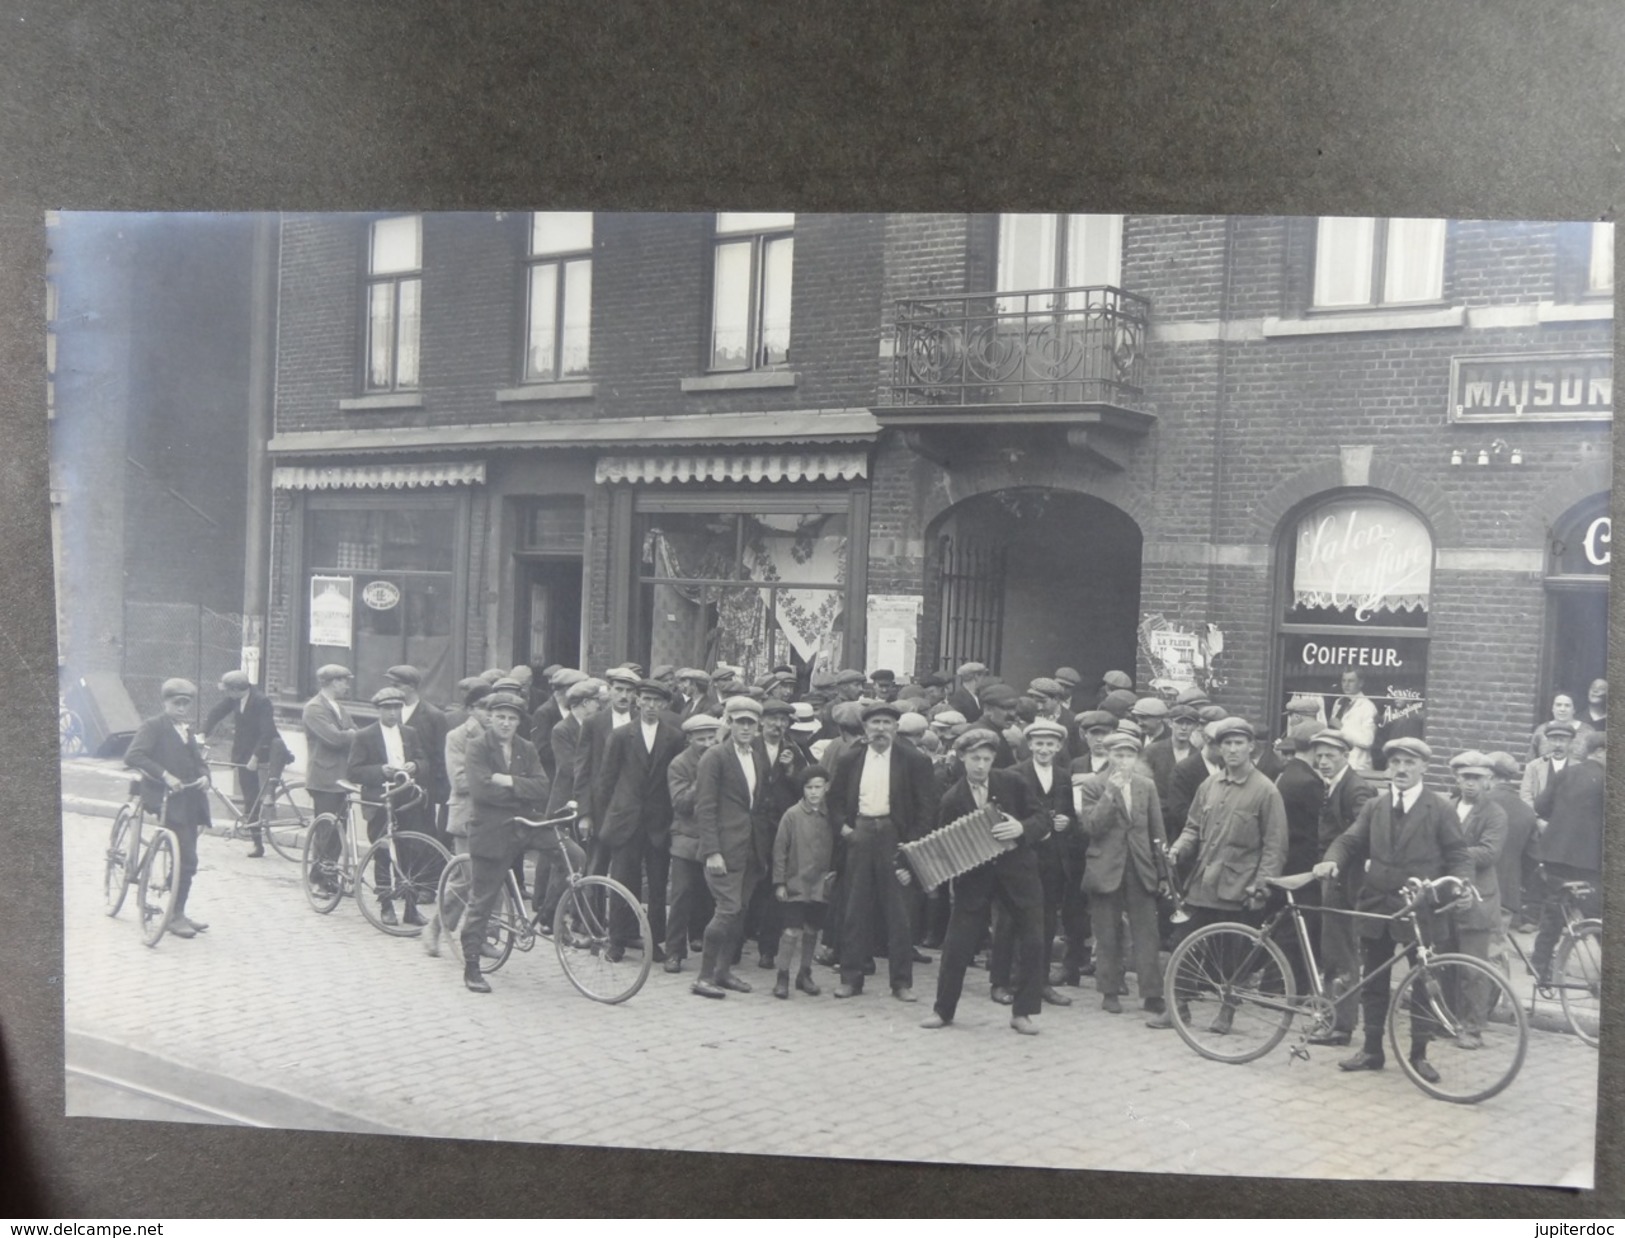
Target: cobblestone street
<point>340,1018</point>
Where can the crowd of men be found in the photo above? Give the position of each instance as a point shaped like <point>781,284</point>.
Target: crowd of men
<point>761,813</point>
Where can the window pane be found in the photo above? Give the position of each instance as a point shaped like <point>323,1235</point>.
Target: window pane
<point>1602,257</point>
<point>396,244</point>
<point>577,317</point>
<point>380,333</point>
<point>406,354</point>
<point>754,221</point>
<point>1343,261</point>
<point>1415,264</point>
<point>1361,561</point>
<point>540,361</point>
<point>560,232</point>
<point>347,540</point>
<point>730,308</point>
<point>776,267</point>
<point>1094,250</point>
<point>1026,260</point>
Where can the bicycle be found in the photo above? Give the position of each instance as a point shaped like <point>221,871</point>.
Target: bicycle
<point>1443,995</point>
<point>333,864</point>
<point>274,812</point>
<point>1576,970</point>
<point>152,865</point>
<point>597,967</point>
<point>70,731</point>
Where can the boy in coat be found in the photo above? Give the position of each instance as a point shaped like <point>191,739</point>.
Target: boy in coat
<point>686,887</point>
<point>377,753</point>
<point>167,754</point>
<point>802,851</point>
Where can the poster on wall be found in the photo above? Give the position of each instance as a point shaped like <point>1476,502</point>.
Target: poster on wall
<point>893,630</point>
<point>331,603</point>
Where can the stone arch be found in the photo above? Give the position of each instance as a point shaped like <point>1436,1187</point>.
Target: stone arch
<point>1554,503</point>
<point>948,489</point>
<point>1398,480</point>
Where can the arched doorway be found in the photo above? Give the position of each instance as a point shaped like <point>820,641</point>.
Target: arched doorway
<point>1579,559</point>
<point>1030,579</point>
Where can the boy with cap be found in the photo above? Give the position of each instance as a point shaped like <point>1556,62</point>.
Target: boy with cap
<point>168,755</point>
<point>329,732</point>
<point>377,752</point>
<point>256,745</point>
<point>686,888</point>
<point>803,849</point>
<point>1483,828</point>
<point>730,798</point>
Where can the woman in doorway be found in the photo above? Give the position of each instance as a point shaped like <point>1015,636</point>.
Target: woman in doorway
<point>1562,711</point>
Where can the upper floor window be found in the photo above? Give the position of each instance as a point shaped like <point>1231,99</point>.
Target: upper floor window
<point>558,313</point>
<point>1602,258</point>
<point>750,298</point>
<point>1378,261</point>
<point>394,294</point>
<point>1058,251</point>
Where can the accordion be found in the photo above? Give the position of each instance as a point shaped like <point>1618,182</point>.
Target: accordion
<point>963,844</point>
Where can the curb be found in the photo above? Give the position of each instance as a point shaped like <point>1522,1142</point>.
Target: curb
<point>91,807</point>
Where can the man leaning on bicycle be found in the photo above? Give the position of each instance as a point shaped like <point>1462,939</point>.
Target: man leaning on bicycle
<point>167,754</point>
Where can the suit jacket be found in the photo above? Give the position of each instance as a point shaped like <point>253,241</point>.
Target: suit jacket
<point>432,726</point>
<point>1339,810</point>
<point>682,779</point>
<point>158,749</point>
<point>491,832</point>
<point>1159,758</point>
<point>368,758</point>
<point>590,748</point>
<point>562,742</point>
<point>255,731</point>
<point>546,716</point>
<point>1302,793</point>
<point>1188,777</point>
<point>913,807</point>
<point>1427,844</point>
<point>1523,835</point>
<point>460,807</point>
<point>1572,804</point>
<point>327,743</point>
<point>962,700</point>
<point>1058,799</point>
<point>1485,831</point>
<point>727,817</point>
<point>630,789</point>
<point>781,793</point>
<point>1124,839</point>
<point>1006,790</point>
<point>1536,776</point>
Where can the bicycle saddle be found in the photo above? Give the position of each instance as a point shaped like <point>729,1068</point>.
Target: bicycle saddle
<point>1295,882</point>
<point>1579,889</point>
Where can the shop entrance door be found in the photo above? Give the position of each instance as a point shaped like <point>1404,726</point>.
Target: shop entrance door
<point>547,627</point>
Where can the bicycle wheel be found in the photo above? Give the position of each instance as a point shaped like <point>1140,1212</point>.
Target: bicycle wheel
<point>402,868</point>
<point>283,821</point>
<point>321,864</point>
<point>1443,1002</point>
<point>507,920</point>
<point>1578,972</point>
<point>116,870</point>
<point>1231,992</point>
<point>581,937</point>
<point>156,888</point>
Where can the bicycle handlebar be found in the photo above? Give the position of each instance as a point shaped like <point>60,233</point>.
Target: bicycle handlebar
<point>566,815</point>
<point>1443,893</point>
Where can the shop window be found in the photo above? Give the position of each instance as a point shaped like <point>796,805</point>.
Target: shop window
<point>752,590</point>
<point>558,316</point>
<point>1371,262</point>
<point>1057,251</point>
<point>379,589</point>
<point>394,294</point>
<point>1601,268</point>
<point>752,262</point>
<point>1352,631</point>
<point>1578,564</point>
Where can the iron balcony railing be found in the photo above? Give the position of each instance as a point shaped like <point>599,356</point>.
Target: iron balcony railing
<point>1049,346</point>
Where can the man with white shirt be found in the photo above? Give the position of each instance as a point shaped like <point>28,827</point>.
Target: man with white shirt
<point>1049,787</point>
<point>1559,736</point>
<point>329,732</point>
<point>379,752</point>
<point>1407,831</point>
<point>590,748</point>
<point>432,727</point>
<point>168,755</point>
<point>1355,714</point>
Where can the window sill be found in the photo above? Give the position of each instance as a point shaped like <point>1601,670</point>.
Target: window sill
<point>384,399</point>
<point>1380,320</point>
<point>546,391</point>
<point>744,380</point>
<point>1578,311</point>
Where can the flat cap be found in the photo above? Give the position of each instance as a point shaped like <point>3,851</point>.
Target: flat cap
<point>736,705</point>
<point>465,684</point>
<point>1118,702</point>
<point>235,681</point>
<point>332,671</point>
<point>511,702</point>
<point>567,677</point>
<point>1097,720</point>
<point>177,687</point>
<point>1231,726</point>
<point>947,718</point>
<point>585,690</point>
<point>475,693</point>
<point>1183,713</point>
<point>1408,744</point>
<point>623,675</point>
<point>847,714</point>
<point>1123,739</point>
<point>1128,726</point>
<point>1046,687</point>
<point>694,673</point>
<point>912,723</point>
<point>933,679</point>
<point>971,668</point>
<point>1118,679</point>
<point>883,676</point>
<point>1044,726</point>
<point>1505,765</point>
<point>1000,696</point>
<point>1473,762</point>
<point>695,723</point>
<point>1212,713</point>
<point>1191,696</point>
<point>654,688</point>
<point>492,673</point>
<point>388,695</point>
<point>404,674</point>
<point>976,737</point>
<point>507,683</point>
<point>1305,706</point>
<point>1565,730</point>
<point>1150,707</point>
<point>880,709</point>
<point>551,669</point>
<point>664,671</point>
<point>1069,676</point>
<point>849,676</point>
<point>1332,738</point>
<point>1302,734</point>
<point>724,671</point>
<point>778,708</point>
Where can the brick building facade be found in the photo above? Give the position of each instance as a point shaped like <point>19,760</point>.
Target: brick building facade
<point>840,440</point>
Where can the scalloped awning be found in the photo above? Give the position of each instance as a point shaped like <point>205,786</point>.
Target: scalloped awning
<point>812,466</point>
<point>377,476</point>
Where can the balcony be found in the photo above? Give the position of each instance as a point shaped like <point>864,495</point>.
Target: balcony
<point>1073,356</point>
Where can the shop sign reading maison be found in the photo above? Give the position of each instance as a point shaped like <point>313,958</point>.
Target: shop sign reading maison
<point>1543,387</point>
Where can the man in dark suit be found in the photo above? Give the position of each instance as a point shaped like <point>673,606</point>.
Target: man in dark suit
<point>431,726</point>
<point>1344,793</point>
<point>882,796</point>
<point>1303,792</point>
<point>964,698</point>
<point>1404,833</point>
<point>582,700</point>
<point>1518,855</point>
<point>505,780</point>
<point>168,755</point>
<point>590,749</point>
<point>998,703</point>
<point>1571,846</point>
<point>378,752</point>
<point>1046,776</point>
<point>730,799</point>
<point>784,761</point>
<point>551,712</point>
<point>1011,879</point>
<point>1189,774</point>
<point>329,732</point>
<point>634,806</point>
<point>256,745</point>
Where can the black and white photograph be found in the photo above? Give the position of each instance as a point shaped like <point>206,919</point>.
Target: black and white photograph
<point>1084,691</point>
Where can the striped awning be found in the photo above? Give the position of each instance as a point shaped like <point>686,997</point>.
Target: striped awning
<point>812,466</point>
<point>377,476</point>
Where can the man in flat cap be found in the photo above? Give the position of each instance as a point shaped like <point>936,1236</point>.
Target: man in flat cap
<point>1557,740</point>
<point>1404,832</point>
<point>1150,714</point>
<point>459,808</point>
<point>725,679</point>
<point>1518,856</point>
<point>935,684</point>
<point>594,742</point>
<point>885,683</point>
<point>633,803</point>
<point>999,701</point>
<point>1571,844</point>
<point>881,796</point>
<point>329,732</point>
<point>1235,840</point>
<point>550,712</point>
<point>1303,794</point>
<point>687,893</point>
<point>1115,681</point>
<point>1344,793</point>
<point>1484,829</point>
<point>169,758</point>
<point>1011,880</point>
<point>256,745</point>
<point>429,721</point>
<point>698,695</point>
<point>966,696</point>
<point>763,919</point>
<point>1203,763</point>
<point>377,753</point>
<point>1069,677</point>
<point>730,799</point>
<point>1048,697</point>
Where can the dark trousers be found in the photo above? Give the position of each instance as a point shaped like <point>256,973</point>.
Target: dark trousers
<point>1139,905</point>
<point>485,887</point>
<point>732,891</point>
<point>1201,917</point>
<point>552,875</point>
<point>764,920</point>
<point>1052,877</point>
<point>1012,882</point>
<point>1340,946</point>
<point>872,887</point>
<point>1552,922</point>
<point>331,802</point>
<point>186,848</point>
<point>629,863</point>
<point>248,785</point>
<point>1075,919</point>
<point>685,885</point>
<point>1375,951</point>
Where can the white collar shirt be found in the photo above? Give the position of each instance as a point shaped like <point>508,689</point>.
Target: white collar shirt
<point>394,748</point>
<point>874,785</point>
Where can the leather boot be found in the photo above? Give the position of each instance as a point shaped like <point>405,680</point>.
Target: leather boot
<point>472,980</point>
<point>781,986</point>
